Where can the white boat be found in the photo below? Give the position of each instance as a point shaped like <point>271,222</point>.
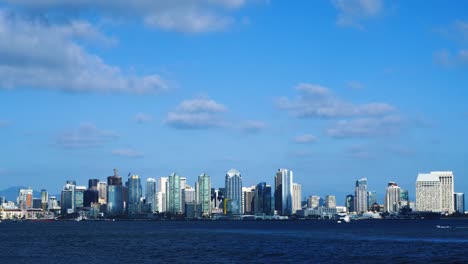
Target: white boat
<point>443,227</point>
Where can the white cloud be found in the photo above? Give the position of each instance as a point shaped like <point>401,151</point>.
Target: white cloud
<point>143,118</point>
<point>351,13</point>
<point>319,101</point>
<point>37,54</point>
<point>87,135</point>
<point>198,113</point>
<point>253,126</point>
<point>366,127</point>
<point>305,139</point>
<point>189,16</point>
<point>128,152</point>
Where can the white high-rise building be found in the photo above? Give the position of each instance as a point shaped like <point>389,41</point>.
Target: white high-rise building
<point>392,198</point>
<point>161,194</point>
<point>330,201</point>
<point>102,192</point>
<point>248,194</point>
<point>284,191</point>
<point>297,197</point>
<point>360,196</point>
<point>313,201</point>
<point>233,185</point>
<point>435,192</point>
<point>151,186</point>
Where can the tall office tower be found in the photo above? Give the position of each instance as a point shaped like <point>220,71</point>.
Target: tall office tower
<point>349,203</point>
<point>360,196</point>
<point>330,201</point>
<point>434,192</point>
<point>404,197</point>
<point>459,199</point>
<point>79,196</point>
<point>262,199</point>
<point>284,191</point>
<point>233,197</point>
<point>135,192</point>
<point>102,190</point>
<point>371,198</point>
<point>44,199</point>
<point>91,197</point>
<point>188,194</point>
<point>161,194</point>
<point>215,201</point>
<point>313,201</point>
<point>67,201</point>
<point>52,204</point>
<point>115,195</point>
<point>25,198</point>
<point>151,192</point>
<point>392,198</point>
<point>297,197</point>
<point>92,184</point>
<point>173,197</point>
<point>204,194</point>
<point>248,200</point>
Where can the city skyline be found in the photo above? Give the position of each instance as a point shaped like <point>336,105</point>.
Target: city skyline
<point>334,90</point>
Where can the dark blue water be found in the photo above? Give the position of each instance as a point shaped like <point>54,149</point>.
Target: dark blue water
<point>234,242</point>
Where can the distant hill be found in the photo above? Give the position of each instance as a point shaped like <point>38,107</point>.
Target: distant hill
<point>11,193</point>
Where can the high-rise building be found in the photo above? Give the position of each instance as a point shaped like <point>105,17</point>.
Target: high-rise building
<point>262,199</point>
<point>135,192</point>
<point>349,203</point>
<point>284,192</point>
<point>92,184</point>
<point>217,199</point>
<point>204,194</point>
<point>161,194</point>
<point>435,192</point>
<point>371,198</point>
<point>188,195</point>
<point>313,201</point>
<point>173,191</point>
<point>115,195</point>
<point>91,197</point>
<point>360,196</point>
<point>233,197</point>
<point>79,196</point>
<point>404,197</point>
<point>330,201</point>
<point>102,191</point>
<point>67,201</point>
<point>297,197</point>
<point>44,199</point>
<point>459,199</point>
<point>52,204</point>
<point>248,194</point>
<point>25,198</point>
<point>392,198</point>
<point>151,194</point>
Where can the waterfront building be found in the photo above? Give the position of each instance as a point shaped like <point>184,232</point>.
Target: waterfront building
<point>297,197</point>
<point>25,198</point>
<point>392,198</point>
<point>203,195</point>
<point>37,203</point>
<point>313,201</point>
<point>67,201</point>
<point>115,195</point>
<point>162,196</point>
<point>216,198</point>
<point>349,203</point>
<point>52,204</point>
<point>79,196</point>
<point>404,197</point>
<point>44,199</point>
<point>319,212</point>
<point>459,199</point>
<point>135,191</point>
<point>360,196</point>
<point>151,192</point>
<point>371,198</point>
<point>435,192</point>
<point>262,199</point>
<point>330,201</point>
<point>248,194</point>
<point>91,197</point>
<point>284,192</point>
<point>102,192</point>
<point>93,184</point>
<point>173,191</point>
<point>233,197</point>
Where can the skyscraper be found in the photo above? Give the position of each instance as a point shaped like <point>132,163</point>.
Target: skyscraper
<point>173,191</point>
<point>262,199</point>
<point>92,184</point>
<point>204,194</point>
<point>330,201</point>
<point>134,195</point>
<point>248,194</point>
<point>360,196</point>
<point>79,196</point>
<point>392,198</point>
<point>233,197</point>
<point>459,199</point>
<point>161,194</point>
<point>404,197</point>
<point>297,197</point>
<point>67,201</point>
<point>151,198</point>
<point>115,195</point>
<point>25,198</point>
<point>349,203</point>
<point>371,198</point>
<point>434,192</point>
<point>102,191</point>
<point>284,191</point>
<point>44,199</point>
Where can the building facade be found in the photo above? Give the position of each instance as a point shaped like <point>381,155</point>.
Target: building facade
<point>297,197</point>
<point>435,192</point>
<point>284,192</point>
<point>330,201</point>
<point>233,197</point>
<point>459,199</point>
<point>392,198</point>
<point>360,196</point>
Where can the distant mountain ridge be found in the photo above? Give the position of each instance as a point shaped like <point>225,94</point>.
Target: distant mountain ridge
<point>11,193</point>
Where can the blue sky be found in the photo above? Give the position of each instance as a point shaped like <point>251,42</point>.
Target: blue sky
<point>334,90</point>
